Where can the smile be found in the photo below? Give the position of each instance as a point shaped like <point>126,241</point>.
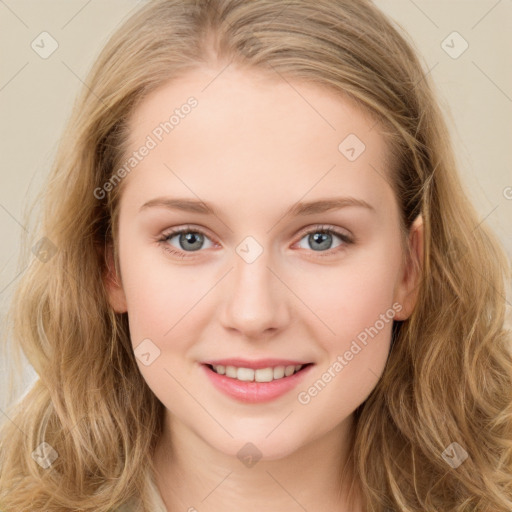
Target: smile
<point>260,375</point>
<point>255,385</point>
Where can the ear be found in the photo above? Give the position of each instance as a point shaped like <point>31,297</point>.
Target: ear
<point>407,287</point>
<point>113,285</point>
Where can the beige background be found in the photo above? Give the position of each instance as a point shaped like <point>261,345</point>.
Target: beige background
<point>36,96</point>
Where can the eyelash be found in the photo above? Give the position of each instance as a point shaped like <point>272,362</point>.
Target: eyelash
<point>346,239</point>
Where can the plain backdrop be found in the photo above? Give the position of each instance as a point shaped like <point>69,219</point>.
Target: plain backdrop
<point>36,95</point>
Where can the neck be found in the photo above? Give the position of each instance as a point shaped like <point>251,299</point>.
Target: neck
<point>192,475</point>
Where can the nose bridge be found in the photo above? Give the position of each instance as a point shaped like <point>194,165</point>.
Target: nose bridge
<point>255,301</point>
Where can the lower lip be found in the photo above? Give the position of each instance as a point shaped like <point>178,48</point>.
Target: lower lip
<point>255,392</point>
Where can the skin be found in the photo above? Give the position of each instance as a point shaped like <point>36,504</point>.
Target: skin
<point>252,148</point>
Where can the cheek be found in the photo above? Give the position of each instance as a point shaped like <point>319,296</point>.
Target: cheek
<point>159,294</point>
<point>352,297</point>
<point>165,314</point>
<point>161,306</point>
<point>355,304</point>
<point>358,310</point>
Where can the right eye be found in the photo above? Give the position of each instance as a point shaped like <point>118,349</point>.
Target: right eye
<point>188,239</point>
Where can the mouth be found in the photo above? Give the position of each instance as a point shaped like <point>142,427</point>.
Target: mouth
<point>259,375</point>
<point>255,385</point>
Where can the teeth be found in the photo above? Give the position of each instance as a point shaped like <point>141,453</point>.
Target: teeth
<point>264,375</point>
<point>245,374</point>
<point>289,370</point>
<point>278,372</point>
<point>230,371</point>
<point>260,375</point>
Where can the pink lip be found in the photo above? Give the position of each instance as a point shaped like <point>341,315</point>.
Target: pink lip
<point>255,392</point>
<point>255,365</point>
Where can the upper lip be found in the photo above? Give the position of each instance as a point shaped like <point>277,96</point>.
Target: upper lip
<point>256,364</point>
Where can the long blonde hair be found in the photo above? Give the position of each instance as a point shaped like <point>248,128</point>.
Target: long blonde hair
<point>449,372</point>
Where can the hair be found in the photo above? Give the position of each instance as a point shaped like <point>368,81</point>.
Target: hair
<point>448,377</point>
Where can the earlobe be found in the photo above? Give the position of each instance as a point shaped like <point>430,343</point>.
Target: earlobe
<point>408,286</point>
<point>113,285</point>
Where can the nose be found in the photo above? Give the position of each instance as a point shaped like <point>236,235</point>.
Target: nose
<point>257,301</point>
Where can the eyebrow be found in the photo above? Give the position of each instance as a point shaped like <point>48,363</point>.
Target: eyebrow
<point>298,209</point>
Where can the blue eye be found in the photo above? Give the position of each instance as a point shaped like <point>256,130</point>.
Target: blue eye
<point>191,239</point>
<point>320,239</point>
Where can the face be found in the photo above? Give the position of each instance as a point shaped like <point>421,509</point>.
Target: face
<point>271,273</point>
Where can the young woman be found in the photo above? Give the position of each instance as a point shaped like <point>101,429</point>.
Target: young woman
<point>259,283</point>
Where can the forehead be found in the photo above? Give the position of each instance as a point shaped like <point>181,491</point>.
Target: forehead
<point>249,133</point>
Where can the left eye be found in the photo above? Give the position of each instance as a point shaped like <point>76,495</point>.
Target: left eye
<point>321,239</point>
